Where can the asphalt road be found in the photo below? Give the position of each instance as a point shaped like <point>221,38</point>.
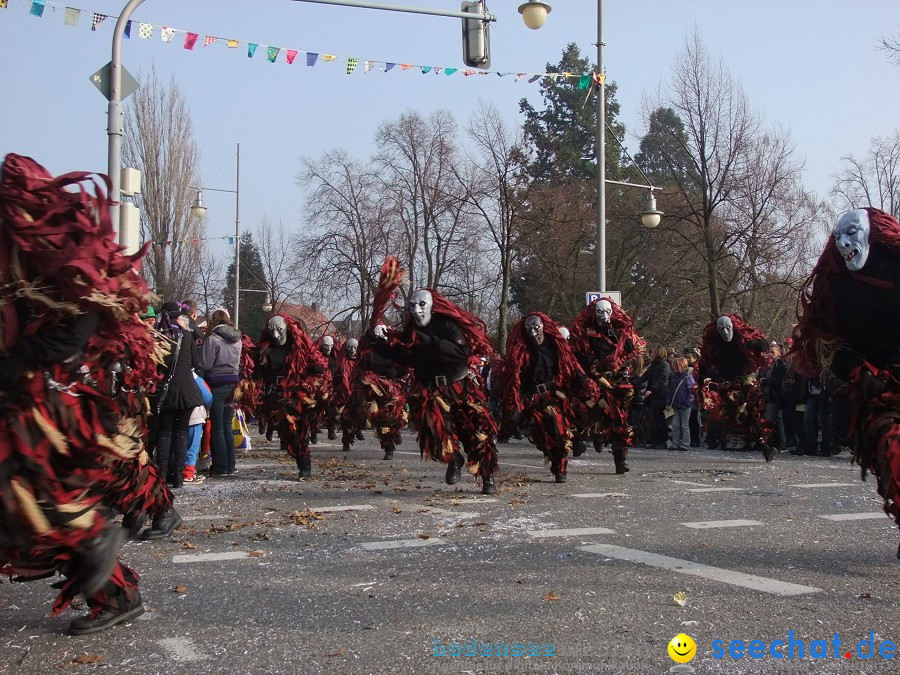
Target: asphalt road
<point>376,566</point>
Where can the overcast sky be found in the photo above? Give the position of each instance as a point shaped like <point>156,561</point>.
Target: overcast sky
<point>811,66</point>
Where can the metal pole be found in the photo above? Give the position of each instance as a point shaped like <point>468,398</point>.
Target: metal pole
<point>601,156</point>
<point>114,117</point>
<point>237,240</point>
<point>398,8</point>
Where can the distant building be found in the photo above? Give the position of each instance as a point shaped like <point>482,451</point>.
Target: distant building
<point>314,322</point>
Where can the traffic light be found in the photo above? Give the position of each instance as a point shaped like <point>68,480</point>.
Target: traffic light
<point>476,39</point>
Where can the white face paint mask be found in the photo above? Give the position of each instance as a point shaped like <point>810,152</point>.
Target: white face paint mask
<point>725,328</point>
<point>420,305</point>
<point>604,312</point>
<point>277,327</point>
<point>352,347</point>
<point>327,344</point>
<point>851,236</point>
<point>534,330</point>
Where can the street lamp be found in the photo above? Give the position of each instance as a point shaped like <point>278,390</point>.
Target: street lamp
<point>198,210</point>
<point>650,216</point>
<point>534,13</point>
<point>267,305</point>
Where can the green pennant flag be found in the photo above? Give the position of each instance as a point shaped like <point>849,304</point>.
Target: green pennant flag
<point>251,49</point>
<point>584,81</point>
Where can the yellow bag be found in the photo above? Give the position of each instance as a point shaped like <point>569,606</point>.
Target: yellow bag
<point>240,431</point>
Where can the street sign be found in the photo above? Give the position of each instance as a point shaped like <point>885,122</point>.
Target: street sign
<point>615,296</point>
<point>101,80</point>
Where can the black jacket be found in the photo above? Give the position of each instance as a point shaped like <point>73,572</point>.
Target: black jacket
<point>183,392</point>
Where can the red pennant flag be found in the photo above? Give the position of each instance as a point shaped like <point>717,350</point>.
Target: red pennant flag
<point>190,39</point>
<point>291,55</point>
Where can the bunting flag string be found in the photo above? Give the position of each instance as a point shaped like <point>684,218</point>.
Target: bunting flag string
<point>167,34</point>
<point>193,241</point>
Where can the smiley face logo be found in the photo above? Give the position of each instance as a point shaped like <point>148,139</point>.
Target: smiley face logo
<point>682,648</point>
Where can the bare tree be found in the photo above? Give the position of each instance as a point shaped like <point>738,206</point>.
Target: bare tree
<point>737,208</point>
<point>345,250</point>
<point>159,141</point>
<point>415,166</point>
<point>502,190</point>
<point>873,180</point>
<point>891,45</point>
<point>210,280</point>
<point>278,250</point>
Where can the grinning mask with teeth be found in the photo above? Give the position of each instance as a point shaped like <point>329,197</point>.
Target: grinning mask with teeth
<point>278,329</point>
<point>420,305</point>
<point>327,344</point>
<point>534,330</point>
<point>851,236</point>
<point>352,347</point>
<point>603,312</point>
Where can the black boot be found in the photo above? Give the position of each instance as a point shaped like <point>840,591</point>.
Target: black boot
<point>767,450</point>
<point>85,625</point>
<point>100,559</point>
<point>359,435</point>
<point>304,468</point>
<point>133,524</point>
<point>163,526</point>
<point>163,453</point>
<point>488,486</point>
<point>331,434</point>
<point>619,459</point>
<point>314,437</point>
<point>559,474</point>
<point>389,452</point>
<point>179,443</point>
<point>347,443</point>
<point>454,471</point>
<point>579,447</point>
<point>598,445</point>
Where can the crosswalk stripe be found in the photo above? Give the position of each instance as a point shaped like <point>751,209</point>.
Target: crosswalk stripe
<point>821,485</point>
<point>400,543</point>
<point>210,557</point>
<point>591,495</point>
<point>348,507</point>
<point>572,532</point>
<point>712,524</point>
<point>750,581</point>
<point>854,516</point>
<point>716,489</point>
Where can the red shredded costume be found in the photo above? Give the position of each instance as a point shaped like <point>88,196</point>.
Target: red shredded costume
<point>605,355</point>
<point>729,391</point>
<point>448,405</point>
<point>540,384</point>
<point>71,434</point>
<point>849,323</point>
<point>289,384</point>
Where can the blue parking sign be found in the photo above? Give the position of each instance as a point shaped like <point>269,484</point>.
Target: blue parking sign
<point>591,296</point>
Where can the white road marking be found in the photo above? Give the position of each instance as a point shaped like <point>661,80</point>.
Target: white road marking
<point>590,495</point>
<point>182,649</point>
<point>527,466</point>
<point>710,524</point>
<point>400,543</point>
<point>686,482</point>
<point>573,532</point>
<point>854,516</point>
<point>750,581</point>
<point>208,517</point>
<point>465,501</point>
<point>210,557</point>
<point>719,489</point>
<point>349,507</point>
<point>818,485</point>
<point>448,512</point>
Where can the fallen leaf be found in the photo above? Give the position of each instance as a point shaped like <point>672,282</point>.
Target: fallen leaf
<point>395,509</point>
<point>339,652</point>
<point>88,658</point>
<point>551,596</point>
<point>188,544</point>
<point>424,536</point>
<point>180,589</point>
<point>864,596</point>
<point>257,554</point>
<point>680,598</point>
<point>690,623</point>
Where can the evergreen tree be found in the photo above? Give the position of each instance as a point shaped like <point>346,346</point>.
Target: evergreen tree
<point>252,317</point>
<point>664,153</point>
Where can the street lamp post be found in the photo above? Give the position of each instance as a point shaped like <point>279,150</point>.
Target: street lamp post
<point>650,216</point>
<point>199,211</point>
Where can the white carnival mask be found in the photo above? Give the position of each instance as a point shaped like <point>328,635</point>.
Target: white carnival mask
<point>420,305</point>
<point>851,236</point>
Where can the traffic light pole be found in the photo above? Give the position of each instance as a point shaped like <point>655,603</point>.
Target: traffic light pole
<point>399,8</point>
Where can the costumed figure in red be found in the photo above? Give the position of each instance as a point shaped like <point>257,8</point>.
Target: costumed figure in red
<point>849,324</point>
<point>731,352</point>
<point>540,377</point>
<point>448,405</point>
<point>605,342</point>
<point>291,378</point>
<point>76,368</point>
<point>350,408</point>
<point>329,412</point>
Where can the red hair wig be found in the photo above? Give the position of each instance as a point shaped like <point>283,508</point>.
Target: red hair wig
<point>709,350</point>
<point>585,326</point>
